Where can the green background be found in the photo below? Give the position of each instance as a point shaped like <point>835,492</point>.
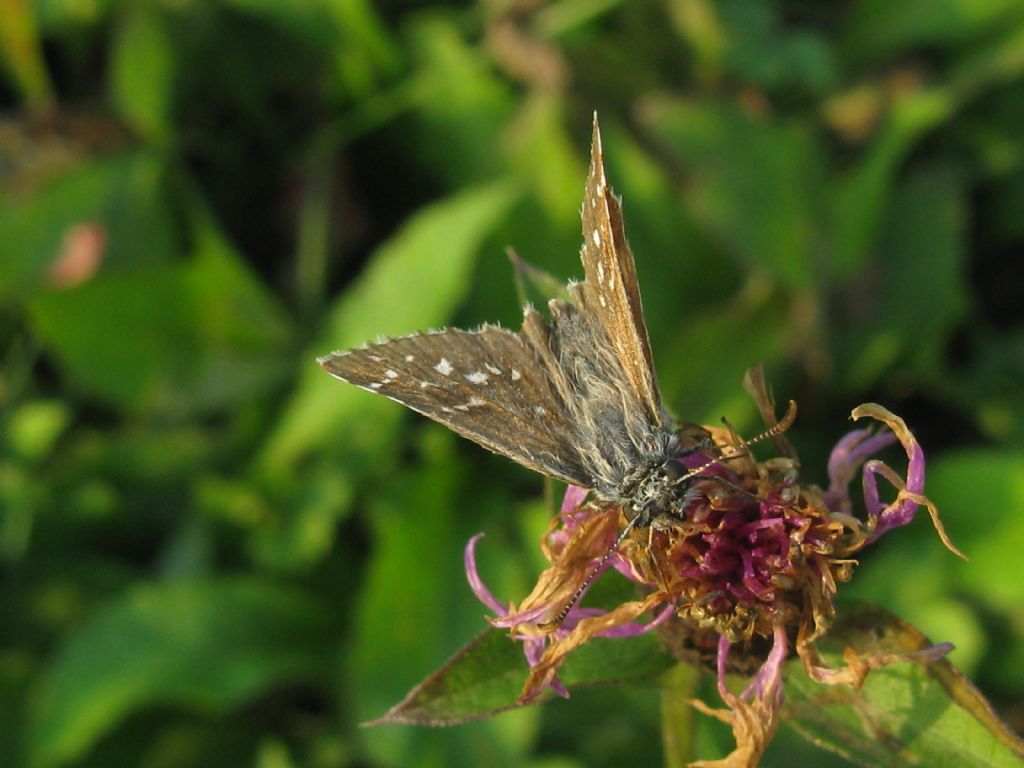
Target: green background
<point>214,554</point>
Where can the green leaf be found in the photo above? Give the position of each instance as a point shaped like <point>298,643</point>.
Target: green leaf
<point>120,193</point>
<point>878,28</point>
<point>292,525</point>
<point>414,605</point>
<point>243,330</point>
<point>368,53</point>
<point>764,51</point>
<point>461,101</point>
<point>752,183</point>
<point>142,340</point>
<point>979,494</point>
<point>414,282</point>
<point>921,292</point>
<point>862,195</point>
<point>751,327</point>
<point>417,506</point>
<point>677,715</point>
<point>112,335</point>
<point>61,15</point>
<point>142,71</point>
<point>606,660</point>
<point>34,427</point>
<point>192,335</point>
<point>207,646</point>
<point>905,713</point>
<point>21,50</point>
<point>542,153</point>
<point>487,676</point>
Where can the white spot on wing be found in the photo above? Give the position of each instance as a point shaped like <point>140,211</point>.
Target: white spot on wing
<point>390,374</point>
<point>597,238</point>
<point>476,377</point>
<point>475,402</point>
<point>600,269</point>
<point>540,410</point>
<point>376,385</point>
<point>493,369</point>
<point>516,375</point>
<point>409,358</point>
<point>444,367</point>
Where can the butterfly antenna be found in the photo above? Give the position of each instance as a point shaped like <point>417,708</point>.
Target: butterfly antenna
<point>777,429</point>
<point>585,584</point>
<point>773,431</point>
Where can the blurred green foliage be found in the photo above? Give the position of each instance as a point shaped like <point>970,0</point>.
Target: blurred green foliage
<point>214,554</point>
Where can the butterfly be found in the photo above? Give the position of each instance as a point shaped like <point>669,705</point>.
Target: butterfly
<point>574,397</point>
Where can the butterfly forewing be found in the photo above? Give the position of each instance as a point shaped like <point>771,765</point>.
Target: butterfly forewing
<point>487,385</point>
<point>611,290</point>
<point>573,397</point>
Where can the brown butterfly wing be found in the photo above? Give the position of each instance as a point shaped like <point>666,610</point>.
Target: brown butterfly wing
<point>487,385</point>
<point>611,291</point>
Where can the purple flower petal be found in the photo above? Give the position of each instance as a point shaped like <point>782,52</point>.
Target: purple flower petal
<point>574,497</point>
<point>483,594</point>
<point>903,513</point>
<point>533,649</point>
<point>634,628</point>
<point>767,683</point>
<point>506,620</point>
<point>847,455</point>
<point>723,656</point>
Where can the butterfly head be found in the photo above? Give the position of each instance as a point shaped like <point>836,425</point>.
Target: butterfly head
<point>660,495</point>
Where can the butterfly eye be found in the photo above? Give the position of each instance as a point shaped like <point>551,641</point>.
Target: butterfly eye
<point>671,471</point>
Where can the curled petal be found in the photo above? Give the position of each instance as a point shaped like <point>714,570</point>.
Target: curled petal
<point>571,564</point>
<point>544,671</point>
<point>902,513</point>
<point>632,628</point>
<point>857,665</point>
<point>847,456</point>
<point>519,619</point>
<point>534,650</point>
<point>753,715</point>
<point>483,594</point>
<point>721,668</point>
<point>558,687</point>
<point>767,683</point>
<point>909,492</point>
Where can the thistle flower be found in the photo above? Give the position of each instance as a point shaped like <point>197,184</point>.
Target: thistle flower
<point>749,569</point>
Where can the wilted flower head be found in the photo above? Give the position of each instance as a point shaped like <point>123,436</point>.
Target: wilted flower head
<point>754,560</point>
